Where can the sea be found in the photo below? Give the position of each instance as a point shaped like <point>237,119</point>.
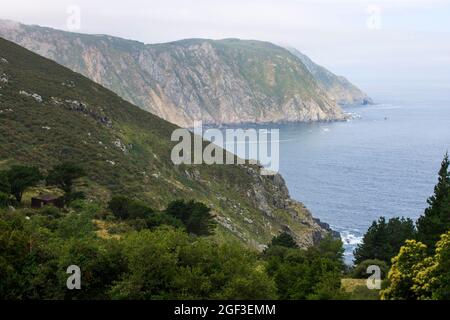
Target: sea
<point>382,162</point>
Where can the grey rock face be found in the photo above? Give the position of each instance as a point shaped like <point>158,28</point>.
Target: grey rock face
<point>220,82</point>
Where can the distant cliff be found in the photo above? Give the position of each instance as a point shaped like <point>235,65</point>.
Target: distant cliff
<point>221,82</point>
<point>337,87</point>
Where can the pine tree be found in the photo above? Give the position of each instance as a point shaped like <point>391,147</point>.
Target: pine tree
<point>436,219</point>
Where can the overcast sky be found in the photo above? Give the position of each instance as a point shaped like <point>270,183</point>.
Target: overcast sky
<point>377,44</point>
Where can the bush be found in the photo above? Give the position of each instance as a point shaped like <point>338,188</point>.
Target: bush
<point>169,264</point>
<point>137,224</point>
<point>63,175</point>
<point>126,208</point>
<point>284,240</point>
<point>159,219</point>
<point>360,271</point>
<point>74,196</point>
<point>196,216</point>
<point>5,186</point>
<point>417,275</point>
<point>405,267</point>
<point>50,211</point>
<point>119,206</point>
<point>5,200</point>
<point>314,273</point>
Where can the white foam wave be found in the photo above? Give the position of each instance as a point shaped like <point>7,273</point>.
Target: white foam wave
<point>349,238</point>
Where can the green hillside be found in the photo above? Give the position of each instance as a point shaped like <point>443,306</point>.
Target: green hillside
<point>50,114</point>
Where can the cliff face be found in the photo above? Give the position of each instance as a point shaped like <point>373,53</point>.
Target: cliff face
<point>338,88</point>
<point>220,82</point>
<point>50,114</point>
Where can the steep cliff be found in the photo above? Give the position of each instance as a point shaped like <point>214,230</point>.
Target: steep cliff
<point>338,88</point>
<point>221,82</point>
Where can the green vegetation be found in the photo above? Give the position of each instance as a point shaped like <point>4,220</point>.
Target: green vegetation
<point>417,275</point>
<point>125,208</point>
<point>436,219</point>
<point>314,273</point>
<point>20,178</point>
<point>122,221</point>
<point>134,238</point>
<point>284,240</point>
<point>64,174</point>
<point>360,270</point>
<point>128,250</point>
<point>383,239</point>
<point>51,116</point>
<point>195,215</point>
<point>37,246</point>
<point>420,259</point>
<point>168,264</point>
<point>356,289</point>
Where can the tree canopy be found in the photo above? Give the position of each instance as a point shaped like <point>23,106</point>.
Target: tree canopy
<point>196,216</point>
<point>284,239</point>
<point>64,174</point>
<point>383,239</point>
<point>20,178</point>
<point>436,218</point>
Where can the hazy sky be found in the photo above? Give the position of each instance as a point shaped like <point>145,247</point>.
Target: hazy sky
<point>379,44</point>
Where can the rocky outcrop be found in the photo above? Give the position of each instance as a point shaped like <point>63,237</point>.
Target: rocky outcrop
<point>270,195</point>
<point>220,82</point>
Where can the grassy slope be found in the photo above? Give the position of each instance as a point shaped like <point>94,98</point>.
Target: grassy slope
<point>357,289</point>
<point>144,171</point>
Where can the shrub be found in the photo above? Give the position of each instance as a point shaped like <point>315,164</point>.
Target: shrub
<point>196,216</point>
<point>314,273</point>
<point>125,208</point>
<point>63,175</point>
<point>5,200</point>
<point>50,211</point>
<point>284,240</point>
<point>360,271</point>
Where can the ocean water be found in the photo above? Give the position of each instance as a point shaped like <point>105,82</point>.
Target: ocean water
<point>384,162</point>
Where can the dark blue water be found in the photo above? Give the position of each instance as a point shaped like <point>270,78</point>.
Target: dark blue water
<point>382,163</point>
